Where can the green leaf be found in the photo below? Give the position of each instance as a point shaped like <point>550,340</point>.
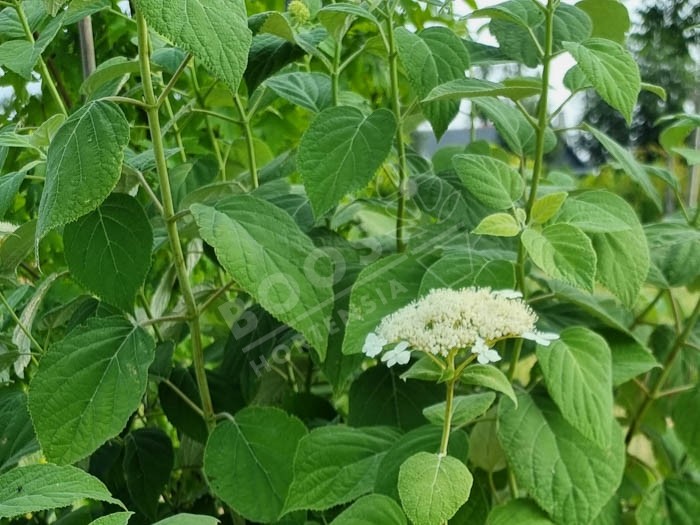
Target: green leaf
<point>547,207</point>
<point>688,428</point>
<point>595,212</point>
<point>629,358</point>
<point>611,70</point>
<point>492,181</point>
<point>40,487</point>
<point>520,511</point>
<point>459,269</point>
<point>381,288</point>
<point>118,518</point>
<point>672,502</point>
<point>519,12</point>
<point>117,68</point>
<point>656,90</point>
<point>87,386</point>
<point>248,461</point>
<point>513,127</point>
<point>488,376</point>
<point>434,56</point>
<point>271,259</point>
<point>214,31</point>
<point>341,151</point>
<point>373,508</point>
<point>498,225</point>
<point>691,156</point>
<point>54,6</point>
<point>422,439</point>
<point>465,409</point>
<point>379,397</point>
<point>610,18</point>
<point>622,256</point>
<point>474,87</point>
<point>485,451</point>
<point>308,90</point>
<point>79,9</point>
<point>18,56</point>
<point>9,186</point>
<point>628,164</point>
<point>83,164</point>
<point>674,249</point>
<point>16,247</point>
<point>564,252</point>
<point>19,337</point>
<point>16,434</point>
<point>578,371</point>
<point>433,487</point>
<point>109,250</point>
<point>188,519</point>
<point>148,460</point>
<point>335,464</point>
<point>569,476</point>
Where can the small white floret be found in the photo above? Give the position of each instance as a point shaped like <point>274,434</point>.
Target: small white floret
<point>374,345</point>
<point>398,355</point>
<point>541,338</point>
<point>485,355</point>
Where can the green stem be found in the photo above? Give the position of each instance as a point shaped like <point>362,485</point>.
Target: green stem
<point>210,131</point>
<point>542,116</point>
<point>400,145</point>
<point>449,399</point>
<point>19,323</point>
<point>646,310</point>
<point>663,377</point>
<point>43,70</point>
<point>517,348</point>
<point>171,226</point>
<point>249,139</point>
<point>335,73</point>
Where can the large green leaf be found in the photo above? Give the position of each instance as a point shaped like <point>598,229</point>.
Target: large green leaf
<point>674,501</point>
<point>109,250</point>
<point>308,90</point>
<point>628,163</point>
<point>422,439</point>
<point>433,487</point>
<point>118,518</point>
<point>594,212</point>
<point>513,127</point>
<point>380,397</point>
<point>610,18</point>
<point>459,269</point>
<point>335,465</point>
<point>622,261</point>
<point>88,385</point>
<point>490,377</point>
<point>9,186</point>
<point>569,476</point>
<point>465,409</point>
<point>373,508</point>
<point>578,371</point>
<point>83,164</point>
<point>271,259</point>
<point>16,247</point>
<point>688,428</point>
<point>248,461</point>
<point>381,288</point>
<point>40,487</point>
<point>214,31</point>
<point>341,151</point>
<point>520,511</point>
<point>148,460</point>
<point>434,56</point>
<point>474,88</point>
<point>16,433</point>
<point>492,181</point>
<point>675,250</point>
<point>564,252</point>
<point>611,70</point>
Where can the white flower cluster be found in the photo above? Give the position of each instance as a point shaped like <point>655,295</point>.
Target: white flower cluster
<point>445,320</point>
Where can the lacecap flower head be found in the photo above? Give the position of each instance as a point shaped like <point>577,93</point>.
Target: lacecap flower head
<point>446,320</point>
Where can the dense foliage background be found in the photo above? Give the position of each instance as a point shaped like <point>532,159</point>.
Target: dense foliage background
<point>206,207</point>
